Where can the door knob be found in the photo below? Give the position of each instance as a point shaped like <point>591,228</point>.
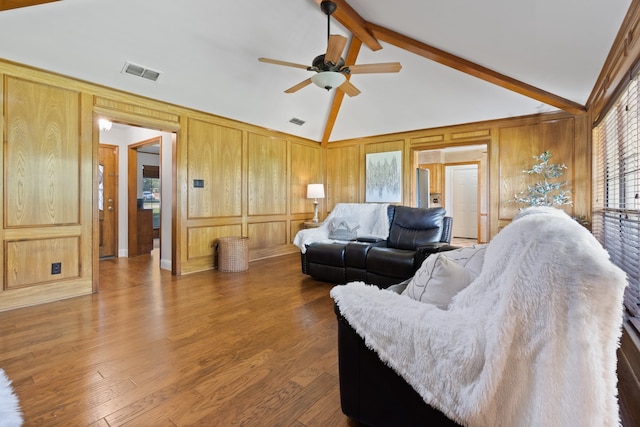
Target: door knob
<point>110,208</point>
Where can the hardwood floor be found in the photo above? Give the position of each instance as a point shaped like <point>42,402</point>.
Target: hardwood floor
<point>256,348</point>
<point>252,348</point>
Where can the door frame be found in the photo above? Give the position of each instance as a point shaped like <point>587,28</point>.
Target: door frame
<point>129,119</point>
<point>478,195</point>
<point>132,187</point>
<point>414,160</point>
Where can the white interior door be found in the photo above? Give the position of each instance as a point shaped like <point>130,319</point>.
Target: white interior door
<point>462,199</point>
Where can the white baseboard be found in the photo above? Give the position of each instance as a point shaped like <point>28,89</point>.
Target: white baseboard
<point>165,264</point>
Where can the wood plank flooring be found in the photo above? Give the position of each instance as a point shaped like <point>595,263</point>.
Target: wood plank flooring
<point>256,348</point>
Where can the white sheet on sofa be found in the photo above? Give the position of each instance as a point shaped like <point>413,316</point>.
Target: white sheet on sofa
<point>371,218</point>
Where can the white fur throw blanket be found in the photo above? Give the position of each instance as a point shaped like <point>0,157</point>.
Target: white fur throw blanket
<point>10,414</point>
<point>371,218</point>
<point>530,342</point>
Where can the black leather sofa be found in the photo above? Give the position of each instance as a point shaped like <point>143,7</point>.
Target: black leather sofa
<point>414,234</point>
<point>374,394</point>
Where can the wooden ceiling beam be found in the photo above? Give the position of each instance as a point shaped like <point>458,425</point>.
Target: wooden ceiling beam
<point>15,4</point>
<point>474,69</point>
<point>353,22</point>
<point>352,55</point>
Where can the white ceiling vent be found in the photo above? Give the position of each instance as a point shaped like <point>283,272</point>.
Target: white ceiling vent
<point>140,71</point>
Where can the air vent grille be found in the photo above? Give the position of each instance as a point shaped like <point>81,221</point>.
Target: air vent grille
<point>297,121</point>
<point>140,71</point>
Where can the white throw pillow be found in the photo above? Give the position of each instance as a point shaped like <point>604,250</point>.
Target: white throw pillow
<point>341,229</point>
<point>438,280</point>
<point>470,257</point>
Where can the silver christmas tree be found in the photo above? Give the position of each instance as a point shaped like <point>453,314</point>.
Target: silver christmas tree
<point>550,190</point>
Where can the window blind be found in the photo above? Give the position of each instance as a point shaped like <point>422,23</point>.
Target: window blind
<point>149,171</point>
<point>616,189</point>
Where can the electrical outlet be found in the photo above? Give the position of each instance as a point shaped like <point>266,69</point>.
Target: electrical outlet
<point>56,267</point>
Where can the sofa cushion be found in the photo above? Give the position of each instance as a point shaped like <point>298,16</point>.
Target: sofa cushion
<point>391,262</point>
<point>326,253</point>
<point>412,227</point>
<point>438,280</point>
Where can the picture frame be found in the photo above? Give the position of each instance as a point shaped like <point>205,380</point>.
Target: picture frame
<point>384,177</point>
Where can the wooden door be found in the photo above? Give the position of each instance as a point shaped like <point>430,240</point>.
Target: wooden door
<point>107,200</point>
<point>464,200</point>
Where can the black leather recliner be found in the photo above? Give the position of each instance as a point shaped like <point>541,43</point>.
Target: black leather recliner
<point>374,394</point>
<point>414,234</point>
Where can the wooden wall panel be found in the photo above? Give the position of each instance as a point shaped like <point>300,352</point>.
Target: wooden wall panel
<point>296,225</point>
<point>267,180</point>
<point>383,147</point>
<point>42,155</point>
<point>345,169</point>
<point>267,234</point>
<point>202,240</point>
<point>215,156</point>
<point>306,169</point>
<point>28,262</point>
<point>515,156</point>
<point>517,147</point>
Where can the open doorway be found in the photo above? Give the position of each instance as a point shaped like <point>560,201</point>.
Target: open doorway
<point>144,196</point>
<point>132,188</point>
<point>441,163</point>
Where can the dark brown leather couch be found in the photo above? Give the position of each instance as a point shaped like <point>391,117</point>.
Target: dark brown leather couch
<point>414,234</point>
<point>374,394</point>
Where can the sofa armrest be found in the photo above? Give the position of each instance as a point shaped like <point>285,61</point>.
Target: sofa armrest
<point>374,394</point>
<point>371,239</point>
<point>423,251</point>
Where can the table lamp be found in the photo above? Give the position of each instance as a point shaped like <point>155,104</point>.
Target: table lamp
<point>315,192</point>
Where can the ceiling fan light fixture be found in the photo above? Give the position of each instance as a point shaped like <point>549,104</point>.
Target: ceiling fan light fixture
<point>328,79</point>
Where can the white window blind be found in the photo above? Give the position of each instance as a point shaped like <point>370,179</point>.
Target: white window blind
<point>616,189</point>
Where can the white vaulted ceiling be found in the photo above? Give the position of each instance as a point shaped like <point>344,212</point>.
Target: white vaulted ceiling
<point>207,53</point>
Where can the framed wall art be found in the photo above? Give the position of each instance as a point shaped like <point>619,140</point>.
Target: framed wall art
<point>384,177</point>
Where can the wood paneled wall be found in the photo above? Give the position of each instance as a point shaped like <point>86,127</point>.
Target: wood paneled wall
<point>46,184</point>
<point>512,143</point>
<point>255,185</point>
<point>254,179</point>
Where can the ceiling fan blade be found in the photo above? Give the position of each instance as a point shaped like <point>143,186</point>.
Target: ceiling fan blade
<point>384,67</point>
<point>349,88</point>
<point>299,86</point>
<point>335,47</point>
<point>285,63</point>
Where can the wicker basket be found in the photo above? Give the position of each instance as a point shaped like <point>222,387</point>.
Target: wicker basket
<point>233,253</point>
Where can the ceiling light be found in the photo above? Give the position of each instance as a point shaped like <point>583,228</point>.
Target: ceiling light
<point>328,79</point>
<point>104,124</point>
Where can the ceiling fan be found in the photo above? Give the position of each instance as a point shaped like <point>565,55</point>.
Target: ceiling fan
<point>330,67</point>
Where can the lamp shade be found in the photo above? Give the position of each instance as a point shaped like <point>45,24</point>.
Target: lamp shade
<point>328,79</point>
<point>315,191</point>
